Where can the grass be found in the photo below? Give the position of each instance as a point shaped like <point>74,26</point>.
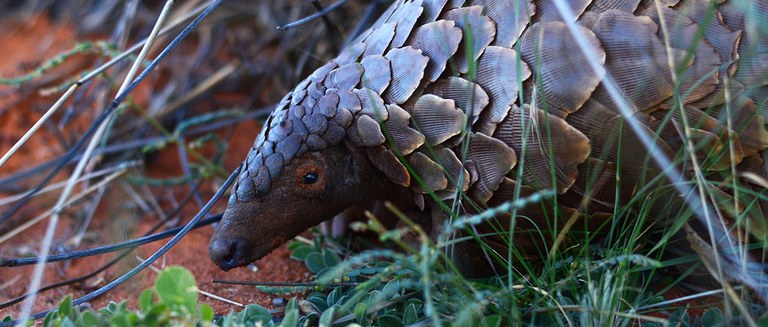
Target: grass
<point>627,272</point>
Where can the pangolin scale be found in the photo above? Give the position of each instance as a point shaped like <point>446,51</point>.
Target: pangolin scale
<point>451,97</point>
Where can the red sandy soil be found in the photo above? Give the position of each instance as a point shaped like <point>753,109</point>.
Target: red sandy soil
<point>27,42</point>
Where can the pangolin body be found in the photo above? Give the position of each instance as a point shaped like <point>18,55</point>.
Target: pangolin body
<point>440,96</point>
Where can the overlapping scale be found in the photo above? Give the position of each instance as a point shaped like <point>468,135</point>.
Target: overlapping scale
<point>492,160</point>
<point>468,96</point>
<point>437,118</point>
<point>376,73</point>
<point>511,18</point>
<point>406,17</point>
<point>605,5</point>
<point>610,135</point>
<point>408,66</point>
<point>405,139</point>
<point>476,27</point>
<point>372,104</point>
<point>378,41</point>
<point>498,75</point>
<point>403,92</point>
<point>370,131</point>
<point>559,75</point>
<point>696,80</point>
<point>546,11</point>
<point>429,172</point>
<point>636,59</point>
<point>387,162</point>
<point>438,41</point>
<point>552,148</point>
<point>749,17</point>
<point>345,77</point>
<point>453,168</point>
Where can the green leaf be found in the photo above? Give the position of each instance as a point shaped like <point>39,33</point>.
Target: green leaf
<point>319,302</point>
<point>292,305</point>
<point>333,297</point>
<point>410,314</point>
<point>369,270</point>
<point>226,321</point>
<point>89,318</point>
<point>112,307</point>
<point>374,297</point>
<point>712,317</point>
<point>392,288</point>
<point>326,319</point>
<point>176,288</point>
<point>65,309</point>
<point>389,321</point>
<point>146,299</point>
<point>680,318</point>
<point>66,322</point>
<point>121,320</point>
<point>291,318</point>
<point>295,245</point>
<point>254,313</point>
<point>491,321</point>
<point>360,312</point>
<point>156,312</point>
<point>314,262</point>
<point>205,312</point>
<point>415,302</point>
<point>50,318</point>
<point>330,258</point>
<point>301,252</point>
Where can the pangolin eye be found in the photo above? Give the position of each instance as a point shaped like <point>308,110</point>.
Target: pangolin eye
<point>310,178</point>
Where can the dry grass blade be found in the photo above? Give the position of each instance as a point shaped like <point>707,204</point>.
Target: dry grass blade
<point>52,187</point>
<point>50,212</point>
<point>37,125</point>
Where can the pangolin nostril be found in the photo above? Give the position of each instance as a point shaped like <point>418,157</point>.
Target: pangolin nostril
<point>223,251</point>
<point>231,251</point>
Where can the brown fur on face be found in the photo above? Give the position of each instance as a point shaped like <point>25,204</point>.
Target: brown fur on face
<point>342,178</point>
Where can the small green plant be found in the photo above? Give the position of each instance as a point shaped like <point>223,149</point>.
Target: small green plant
<point>256,315</point>
<point>172,301</point>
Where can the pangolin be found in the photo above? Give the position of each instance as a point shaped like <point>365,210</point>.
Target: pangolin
<point>481,98</point>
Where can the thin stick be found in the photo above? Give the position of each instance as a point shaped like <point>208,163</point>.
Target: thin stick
<point>129,244</point>
<point>284,284</point>
<point>312,17</point>
<point>222,299</point>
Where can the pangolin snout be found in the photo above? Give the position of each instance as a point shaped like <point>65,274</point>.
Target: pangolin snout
<point>228,253</point>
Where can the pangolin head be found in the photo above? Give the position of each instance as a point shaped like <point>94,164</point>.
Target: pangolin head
<point>302,169</point>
